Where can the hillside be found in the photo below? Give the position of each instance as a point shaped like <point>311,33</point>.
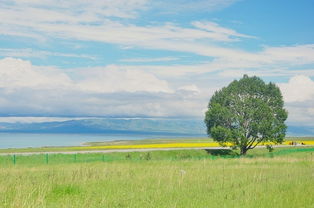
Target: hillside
<point>169,126</point>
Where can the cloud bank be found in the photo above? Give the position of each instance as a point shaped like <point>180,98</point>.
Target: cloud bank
<point>28,90</point>
<point>34,90</point>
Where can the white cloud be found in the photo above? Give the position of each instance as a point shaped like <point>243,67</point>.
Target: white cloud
<point>298,54</point>
<point>111,32</point>
<point>299,89</point>
<point>26,119</point>
<point>192,88</point>
<point>91,21</point>
<point>298,95</point>
<point>103,91</point>
<point>28,52</point>
<point>26,89</point>
<point>177,6</point>
<point>112,79</point>
<point>67,10</point>
<point>144,60</point>
<point>222,33</point>
<point>83,20</point>
<point>16,73</point>
<point>300,115</point>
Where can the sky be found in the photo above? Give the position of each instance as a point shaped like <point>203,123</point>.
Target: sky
<point>150,58</point>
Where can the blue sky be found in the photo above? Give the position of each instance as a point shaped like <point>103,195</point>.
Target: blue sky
<point>144,58</point>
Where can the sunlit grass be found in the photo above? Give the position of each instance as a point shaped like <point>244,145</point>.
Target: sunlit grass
<point>186,180</point>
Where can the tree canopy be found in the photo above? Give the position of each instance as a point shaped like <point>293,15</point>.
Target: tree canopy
<point>247,112</point>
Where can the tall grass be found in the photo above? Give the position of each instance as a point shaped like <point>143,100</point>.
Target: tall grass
<point>285,180</point>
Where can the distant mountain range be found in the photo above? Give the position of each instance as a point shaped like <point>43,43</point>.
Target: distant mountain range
<point>164,126</point>
<point>128,126</point>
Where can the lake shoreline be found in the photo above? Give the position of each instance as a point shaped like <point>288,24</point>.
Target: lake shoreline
<point>38,140</point>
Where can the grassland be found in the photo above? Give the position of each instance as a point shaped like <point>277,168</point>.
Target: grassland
<point>192,178</point>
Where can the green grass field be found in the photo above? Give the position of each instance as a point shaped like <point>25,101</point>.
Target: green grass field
<point>191,178</point>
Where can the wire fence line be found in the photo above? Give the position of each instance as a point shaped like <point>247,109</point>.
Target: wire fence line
<point>46,158</point>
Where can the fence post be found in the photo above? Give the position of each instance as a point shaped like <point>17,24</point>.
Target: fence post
<point>103,158</point>
<point>46,157</point>
<point>14,159</point>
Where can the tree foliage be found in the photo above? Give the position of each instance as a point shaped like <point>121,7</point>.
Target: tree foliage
<point>246,113</point>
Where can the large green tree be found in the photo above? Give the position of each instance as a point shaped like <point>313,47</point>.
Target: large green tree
<point>247,112</point>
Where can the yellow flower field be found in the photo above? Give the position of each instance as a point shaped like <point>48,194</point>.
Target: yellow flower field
<point>299,142</point>
<point>183,145</point>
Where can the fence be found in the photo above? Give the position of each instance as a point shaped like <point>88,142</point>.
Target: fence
<point>47,158</point>
<point>52,158</point>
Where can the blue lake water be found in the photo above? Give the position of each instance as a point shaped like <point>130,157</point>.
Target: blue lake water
<point>20,140</point>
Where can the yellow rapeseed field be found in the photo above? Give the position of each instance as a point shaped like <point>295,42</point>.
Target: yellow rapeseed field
<point>183,145</point>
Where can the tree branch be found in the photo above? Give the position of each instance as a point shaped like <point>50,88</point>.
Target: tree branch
<point>251,143</point>
<point>256,143</point>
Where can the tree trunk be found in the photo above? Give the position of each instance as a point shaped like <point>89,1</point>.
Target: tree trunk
<point>243,150</point>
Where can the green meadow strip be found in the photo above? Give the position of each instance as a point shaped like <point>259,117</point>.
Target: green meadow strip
<point>173,155</point>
